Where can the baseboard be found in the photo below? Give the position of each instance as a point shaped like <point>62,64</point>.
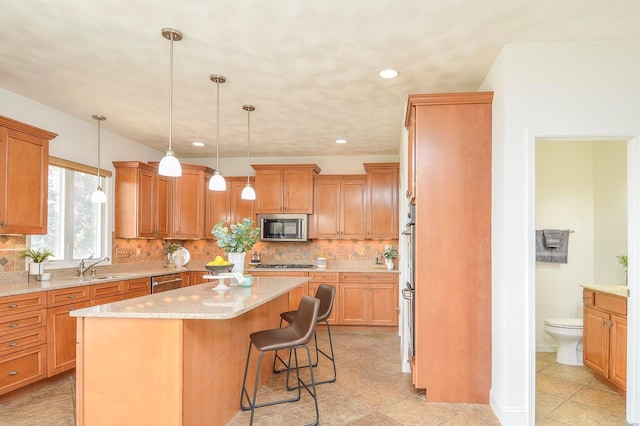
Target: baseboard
<point>509,416</point>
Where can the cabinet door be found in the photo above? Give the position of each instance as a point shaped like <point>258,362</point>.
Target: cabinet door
<point>162,206</point>
<point>188,204</point>
<point>146,211</point>
<point>313,287</point>
<point>239,208</point>
<point>217,208</point>
<point>269,191</point>
<point>353,303</point>
<point>196,278</point>
<point>596,341</point>
<point>24,162</point>
<point>326,208</point>
<point>382,212</point>
<point>618,351</point>
<point>61,338</point>
<point>353,223</point>
<point>383,304</point>
<point>298,191</point>
<point>20,368</point>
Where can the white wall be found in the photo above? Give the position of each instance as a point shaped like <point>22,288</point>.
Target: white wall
<point>554,89</point>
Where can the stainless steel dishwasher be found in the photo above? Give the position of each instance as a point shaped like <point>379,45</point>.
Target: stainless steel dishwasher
<point>165,282</point>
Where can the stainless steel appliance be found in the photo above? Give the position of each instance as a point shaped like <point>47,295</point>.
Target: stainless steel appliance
<point>283,227</point>
<point>165,283</point>
<point>285,266</point>
<point>409,290</point>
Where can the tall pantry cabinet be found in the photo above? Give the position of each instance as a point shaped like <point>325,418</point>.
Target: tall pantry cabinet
<point>450,181</point>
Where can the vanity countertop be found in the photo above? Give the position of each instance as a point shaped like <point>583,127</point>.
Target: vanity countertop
<point>615,289</point>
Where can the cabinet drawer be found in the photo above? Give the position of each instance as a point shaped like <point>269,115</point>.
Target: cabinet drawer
<point>22,303</point>
<point>12,342</point>
<point>588,298</point>
<point>381,277</point>
<point>104,290</point>
<point>137,285</point>
<point>106,299</point>
<point>21,368</point>
<point>611,303</point>
<point>23,321</point>
<point>324,276</point>
<point>67,295</point>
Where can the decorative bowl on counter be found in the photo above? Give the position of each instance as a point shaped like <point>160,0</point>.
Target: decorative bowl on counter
<point>216,269</point>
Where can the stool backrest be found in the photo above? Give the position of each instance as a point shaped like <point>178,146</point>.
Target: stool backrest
<point>305,321</point>
<point>326,294</point>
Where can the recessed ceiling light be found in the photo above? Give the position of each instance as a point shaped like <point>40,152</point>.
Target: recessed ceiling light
<point>197,144</point>
<point>341,141</point>
<point>389,73</point>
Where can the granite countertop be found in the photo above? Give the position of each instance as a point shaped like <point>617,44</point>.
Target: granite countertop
<point>197,302</point>
<point>113,273</point>
<point>615,289</point>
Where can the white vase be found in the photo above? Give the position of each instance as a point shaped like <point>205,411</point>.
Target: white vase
<point>238,261</point>
<point>389,263</point>
<point>36,268</point>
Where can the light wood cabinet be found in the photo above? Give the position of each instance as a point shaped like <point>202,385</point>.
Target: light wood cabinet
<point>382,200</point>
<point>368,299</point>
<point>61,327</point>
<point>136,287</point>
<point>605,337</point>
<point>228,206</point>
<point>24,176</point>
<point>328,278</point>
<point>340,207</point>
<point>452,187</point>
<point>141,201</point>
<point>285,188</point>
<point>296,294</point>
<point>188,202</point>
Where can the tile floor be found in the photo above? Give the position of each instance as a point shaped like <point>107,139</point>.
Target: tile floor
<point>371,390</point>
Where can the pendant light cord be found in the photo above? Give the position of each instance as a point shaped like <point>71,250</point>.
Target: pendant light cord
<point>248,143</point>
<point>171,92</point>
<point>218,118</point>
<point>99,152</point>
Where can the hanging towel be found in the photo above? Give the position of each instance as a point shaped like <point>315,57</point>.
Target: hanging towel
<point>552,237</point>
<point>546,253</point>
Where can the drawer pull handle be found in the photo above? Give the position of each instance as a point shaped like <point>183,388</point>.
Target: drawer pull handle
<point>12,344</point>
<point>13,305</point>
<point>70,296</point>
<point>71,308</point>
<point>602,322</point>
<point>13,325</point>
<point>14,372</point>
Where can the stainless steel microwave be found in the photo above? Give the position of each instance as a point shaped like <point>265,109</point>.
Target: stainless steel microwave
<point>283,227</point>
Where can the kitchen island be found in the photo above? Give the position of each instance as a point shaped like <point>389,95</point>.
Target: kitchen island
<point>173,358</point>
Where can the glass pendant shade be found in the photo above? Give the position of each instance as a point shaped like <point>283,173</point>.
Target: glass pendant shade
<point>248,193</point>
<point>98,196</point>
<point>217,182</point>
<point>170,165</point>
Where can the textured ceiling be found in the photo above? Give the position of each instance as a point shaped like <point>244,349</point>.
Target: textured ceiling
<point>310,67</point>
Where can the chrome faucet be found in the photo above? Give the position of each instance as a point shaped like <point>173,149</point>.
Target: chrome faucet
<point>82,268</point>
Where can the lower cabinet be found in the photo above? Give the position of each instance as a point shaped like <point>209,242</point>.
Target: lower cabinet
<point>61,337</point>
<point>136,287</point>
<point>368,299</point>
<point>296,294</point>
<point>23,367</point>
<point>328,278</point>
<point>605,337</point>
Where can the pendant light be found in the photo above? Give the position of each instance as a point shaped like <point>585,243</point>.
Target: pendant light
<point>248,193</point>
<point>217,182</point>
<point>170,165</point>
<point>98,195</point>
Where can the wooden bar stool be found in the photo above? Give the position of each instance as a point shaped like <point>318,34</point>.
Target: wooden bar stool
<point>293,337</point>
<point>326,294</point>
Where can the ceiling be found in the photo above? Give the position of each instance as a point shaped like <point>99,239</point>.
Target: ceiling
<point>310,67</point>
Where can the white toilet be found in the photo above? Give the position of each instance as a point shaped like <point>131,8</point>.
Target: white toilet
<point>567,332</point>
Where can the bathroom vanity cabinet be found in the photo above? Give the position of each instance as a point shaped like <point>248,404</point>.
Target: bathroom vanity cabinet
<point>605,337</point>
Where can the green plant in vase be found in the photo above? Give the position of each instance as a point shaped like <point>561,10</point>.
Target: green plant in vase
<point>390,254</point>
<point>236,239</point>
<point>38,258</point>
<point>623,260</point>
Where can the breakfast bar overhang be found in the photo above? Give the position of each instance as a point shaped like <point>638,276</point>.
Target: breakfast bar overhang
<point>173,358</point>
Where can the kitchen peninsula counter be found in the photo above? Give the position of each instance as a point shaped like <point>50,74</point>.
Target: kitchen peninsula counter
<point>173,358</point>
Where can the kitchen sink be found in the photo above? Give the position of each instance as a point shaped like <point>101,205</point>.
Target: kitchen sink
<point>90,278</point>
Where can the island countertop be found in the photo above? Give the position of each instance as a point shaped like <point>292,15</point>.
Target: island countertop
<point>198,301</point>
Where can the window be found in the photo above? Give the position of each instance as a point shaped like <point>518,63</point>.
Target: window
<point>77,228</point>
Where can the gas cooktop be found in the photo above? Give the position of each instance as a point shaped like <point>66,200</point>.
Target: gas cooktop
<point>285,265</point>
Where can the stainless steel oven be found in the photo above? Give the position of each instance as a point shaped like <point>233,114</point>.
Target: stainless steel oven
<point>165,283</point>
<point>409,290</point>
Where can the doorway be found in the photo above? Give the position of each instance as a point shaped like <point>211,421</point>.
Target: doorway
<point>581,186</point>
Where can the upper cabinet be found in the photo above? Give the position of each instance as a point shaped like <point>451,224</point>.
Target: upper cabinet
<point>285,188</point>
<point>340,206</point>
<point>227,206</point>
<point>382,200</point>
<point>141,201</point>
<point>188,202</point>
<point>24,168</point>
